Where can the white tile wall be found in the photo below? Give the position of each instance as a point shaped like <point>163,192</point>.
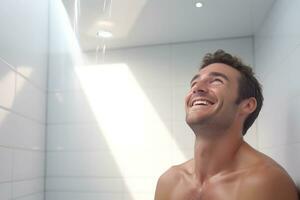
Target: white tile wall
<point>83,161</point>
<point>69,107</point>
<point>285,155</point>
<point>35,100</point>
<point>86,164</point>
<point>62,76</point>
<point>21,132</point>
<point>37,196</point>
<point>6,164</point>
<point>277,50</point>
<point>150,65</point>
<point>178,98</point>
<point>83,184</point>
<point>23,188</point>
<point>82,196</point>
<point>28,164</point>
<point>186,58</point>
<point>75,137</point>
<point>23,66</point>
<point>5,191</point>
<point>28,56</point>
<point>7,85</point>
<point>160,98</point>
<point>278,36</point>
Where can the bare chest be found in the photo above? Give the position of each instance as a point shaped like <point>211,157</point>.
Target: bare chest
<point>214,191</point>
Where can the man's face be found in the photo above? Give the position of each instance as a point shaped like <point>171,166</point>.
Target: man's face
<point>211,100</point>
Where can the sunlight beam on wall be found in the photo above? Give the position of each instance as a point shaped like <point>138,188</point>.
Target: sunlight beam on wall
<point>140,142</point>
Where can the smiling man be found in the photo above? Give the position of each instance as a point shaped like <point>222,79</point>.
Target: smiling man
<point>223,102</point>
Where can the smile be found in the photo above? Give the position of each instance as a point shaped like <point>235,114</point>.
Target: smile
<point>201,102</point>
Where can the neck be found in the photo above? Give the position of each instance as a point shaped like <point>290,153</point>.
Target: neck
<point>214,155</point>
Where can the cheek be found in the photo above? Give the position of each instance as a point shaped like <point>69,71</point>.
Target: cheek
<point>187,97</point>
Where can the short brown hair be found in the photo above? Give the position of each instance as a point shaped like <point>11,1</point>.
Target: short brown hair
<point>248,84</point>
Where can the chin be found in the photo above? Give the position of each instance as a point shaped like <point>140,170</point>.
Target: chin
<point>196,120</point>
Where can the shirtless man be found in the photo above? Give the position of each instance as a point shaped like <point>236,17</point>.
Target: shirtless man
<point>223,102</point>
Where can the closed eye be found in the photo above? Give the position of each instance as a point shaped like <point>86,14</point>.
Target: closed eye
<point>217,80</point>
<point>192,84</point>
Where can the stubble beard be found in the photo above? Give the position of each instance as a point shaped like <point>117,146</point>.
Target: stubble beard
<point>212,123</point>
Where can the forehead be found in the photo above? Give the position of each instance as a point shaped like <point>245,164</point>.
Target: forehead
<point>227,70</point>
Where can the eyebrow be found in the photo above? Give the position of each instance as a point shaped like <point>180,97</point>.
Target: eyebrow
<point>214,74</point>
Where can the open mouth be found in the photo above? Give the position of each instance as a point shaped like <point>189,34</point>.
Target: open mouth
<point>201,102</point>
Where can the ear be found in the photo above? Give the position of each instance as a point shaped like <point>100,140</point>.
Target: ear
<point>248,106</point>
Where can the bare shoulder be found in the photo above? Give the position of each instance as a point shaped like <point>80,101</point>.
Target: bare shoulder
<point>169,180</point>
<point>267,180</point>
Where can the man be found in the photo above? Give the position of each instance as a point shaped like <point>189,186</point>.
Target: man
<point>223,102</point>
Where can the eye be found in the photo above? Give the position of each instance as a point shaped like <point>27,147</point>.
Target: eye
<point>193,83</point>
<point>216,81</point>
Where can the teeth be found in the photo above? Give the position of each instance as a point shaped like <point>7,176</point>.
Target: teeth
<point>200,102</point>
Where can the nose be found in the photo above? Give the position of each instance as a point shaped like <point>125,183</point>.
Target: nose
<point>199,87</point>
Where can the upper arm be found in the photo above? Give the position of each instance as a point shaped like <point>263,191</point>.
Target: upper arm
<point>161,192</point>
<point>272,185</point>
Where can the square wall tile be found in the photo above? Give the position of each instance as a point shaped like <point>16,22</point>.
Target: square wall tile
<point>150,65</point>
<point>30,101</point>
<point>6,164</point>
<point>159,101</point>
<point>30,134</point>
<point>28,164</point>
<point>7,128</point>
<point>83,164</point>
<point>18,131</point>
<point>36,196</point>
<point>69,107</point>
<point>5,191</point>
<point>27,187</point>
<point>75,137</point>
<point>62,76</point>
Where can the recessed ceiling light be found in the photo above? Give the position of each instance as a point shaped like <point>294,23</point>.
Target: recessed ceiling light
<point>105,24</point>
<point>104,34</point>
<point>199,4</point>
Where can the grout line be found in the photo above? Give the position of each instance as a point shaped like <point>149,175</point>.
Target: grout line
<point>46,105</point>
<point>172,43</point>
<point>23,76</point>
<point>72,123</point>
<point>22,115</point>
<point>23,148</point>
<point>102,177</point>
<point>80,90</point>
<point>12,172</point>
<point>23,180</point>
<point>93,191</point>
<point>27,195</point>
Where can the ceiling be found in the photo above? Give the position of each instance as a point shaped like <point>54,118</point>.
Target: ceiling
<point>149,22</point>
